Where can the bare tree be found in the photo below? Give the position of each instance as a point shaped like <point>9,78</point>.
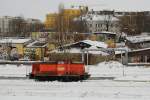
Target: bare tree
<point>107,22</point>
<point>80,25</point>
<point>18,25</point>
<point>134,23</point>
<point>147,24</point>
<point>64,26</point>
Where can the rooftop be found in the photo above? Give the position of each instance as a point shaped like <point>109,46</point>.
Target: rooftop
<point>15,40</point>
<point>138,39</point>
<point>105,32</point>
<point>37,44</point>
<point>88,44</point>
<point>95,43</point>
<point>95,17</point>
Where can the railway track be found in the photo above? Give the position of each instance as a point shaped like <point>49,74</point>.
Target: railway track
<point>13,78</point>
<point>89,79</point>
<point>27,77</point>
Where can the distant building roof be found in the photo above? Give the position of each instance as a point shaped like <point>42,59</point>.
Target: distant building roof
<point>37,44</point>
<point>95,17</point>
<point>104,32</point>
<point>87,44</point>
<point>138,39</point>
<point>96,43</point>
<point>125,48</point>
<point>14,40</point>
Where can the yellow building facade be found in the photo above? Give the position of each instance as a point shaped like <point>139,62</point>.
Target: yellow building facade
<point>51,20</point>
<point>67,15</point>
<point>72,12</point>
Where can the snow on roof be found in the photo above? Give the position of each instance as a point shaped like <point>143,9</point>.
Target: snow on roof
<point>145,33</point>
<point>77,50</point>
<point>138,39</point>
<point>97,52</point>
<point>92,43</point>
<point>140,49</point>
<point>72,50</point>
<point>96,43</point>
<point>129,50</point>
<point>105,32</point>
<point>14,40</point>
<point>37,44</point>
<point>120,52</point>
<point>95,17</point>
<point>122,44</point>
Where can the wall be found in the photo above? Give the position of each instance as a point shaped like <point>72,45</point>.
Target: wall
<point>20,48</point>
<point>51,20</point>
<point>67,15</point>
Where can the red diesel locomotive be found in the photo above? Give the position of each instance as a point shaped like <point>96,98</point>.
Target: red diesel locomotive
<point>61,70</point>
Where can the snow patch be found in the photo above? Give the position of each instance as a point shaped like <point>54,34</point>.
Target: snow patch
<point>7,70</point>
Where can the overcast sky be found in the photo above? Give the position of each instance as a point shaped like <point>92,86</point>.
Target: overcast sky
<point>39,8</point>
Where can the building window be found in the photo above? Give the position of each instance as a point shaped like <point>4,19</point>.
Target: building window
<point>96,25</point>
<point>90,25</point>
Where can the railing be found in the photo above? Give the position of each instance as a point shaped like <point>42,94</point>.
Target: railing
<point>107,49</point>
<point>25,62</point>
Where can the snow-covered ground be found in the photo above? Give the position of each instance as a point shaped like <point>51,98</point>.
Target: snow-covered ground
<point>106,89</point>
<point>14,70</point>
<point>120,72</point>
<point>134,84</point>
